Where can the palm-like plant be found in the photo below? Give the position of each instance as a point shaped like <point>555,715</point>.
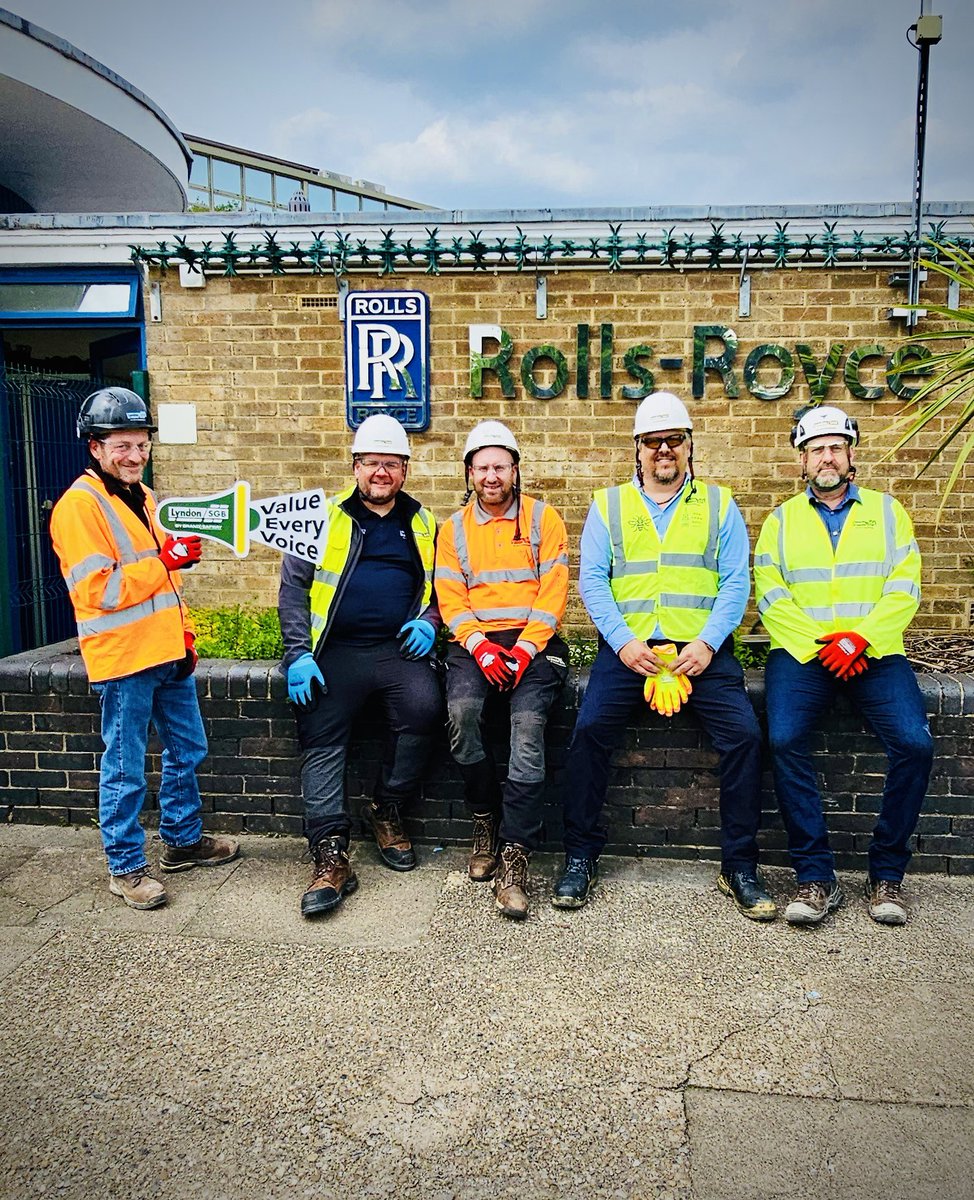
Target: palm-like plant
<point>949,371</point>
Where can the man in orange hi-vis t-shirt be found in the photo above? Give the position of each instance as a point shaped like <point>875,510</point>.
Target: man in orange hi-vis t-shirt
<point>502,586</point>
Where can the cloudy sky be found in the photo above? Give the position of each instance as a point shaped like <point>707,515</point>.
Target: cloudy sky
<point>557,103</point>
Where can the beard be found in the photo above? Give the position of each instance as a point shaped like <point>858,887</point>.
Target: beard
<point>665,471</point>
<point>378,494</point>
<point>498,495</point>
<point>830,479</point>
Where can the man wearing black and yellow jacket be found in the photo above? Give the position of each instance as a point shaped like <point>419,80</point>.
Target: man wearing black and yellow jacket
<point>360,627</point>
<point>837,580</point>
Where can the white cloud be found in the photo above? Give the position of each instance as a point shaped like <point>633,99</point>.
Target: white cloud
<point>457,150</point>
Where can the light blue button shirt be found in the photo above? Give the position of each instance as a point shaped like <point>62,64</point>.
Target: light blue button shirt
<point>733,574</point>
<point>834,518</point>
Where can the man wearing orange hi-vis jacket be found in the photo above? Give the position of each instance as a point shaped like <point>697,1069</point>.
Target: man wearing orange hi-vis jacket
<point>136,638</point>
<point>664,576</point>
<point>502,587</point>
<point>837,577</point>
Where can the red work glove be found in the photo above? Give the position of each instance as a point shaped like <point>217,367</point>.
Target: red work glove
<point>518,660</point>
<point>492,661</point>
<point>189,641</point>
<point>843,653</point>
<point>190,658</point>
<point>179,553</point>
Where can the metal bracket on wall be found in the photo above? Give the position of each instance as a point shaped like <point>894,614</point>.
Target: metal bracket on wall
<point>342,297</point>
<point>953,293</point>
<point>744,290</point>
<point>541,297</point>
<point>155,301</point>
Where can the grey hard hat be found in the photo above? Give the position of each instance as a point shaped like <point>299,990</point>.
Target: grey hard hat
<point>113,408</point>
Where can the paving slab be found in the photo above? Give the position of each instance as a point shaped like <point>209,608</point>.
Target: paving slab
<point>651,1045</point>
<point>781,1147</point>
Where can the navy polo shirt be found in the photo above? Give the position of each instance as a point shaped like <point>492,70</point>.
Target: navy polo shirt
<point>379,594</point>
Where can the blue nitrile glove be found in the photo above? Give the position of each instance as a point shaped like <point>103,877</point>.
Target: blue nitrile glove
<point>301,674</point>
<point>420,636</point>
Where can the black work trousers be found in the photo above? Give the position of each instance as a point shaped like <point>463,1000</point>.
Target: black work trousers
<point>409,695</point>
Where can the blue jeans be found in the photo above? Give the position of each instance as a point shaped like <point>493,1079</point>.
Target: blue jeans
<point>888,696</point>
<point>723,709</point>
<point>128,706</point>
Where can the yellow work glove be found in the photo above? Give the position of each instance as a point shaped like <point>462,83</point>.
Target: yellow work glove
<point>665,692</point>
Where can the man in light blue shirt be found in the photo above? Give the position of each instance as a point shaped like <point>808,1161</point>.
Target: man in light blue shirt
<point>664,559</point>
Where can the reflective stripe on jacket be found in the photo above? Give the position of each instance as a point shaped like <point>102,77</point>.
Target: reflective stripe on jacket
<point>127,605</point>
<point>671,583</point>
<point>341,552</point>
<point>869,584</point>
<point>486,581</point>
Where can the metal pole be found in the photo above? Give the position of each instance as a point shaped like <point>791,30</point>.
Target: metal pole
<point>921,137</point>
<point>928,33</point>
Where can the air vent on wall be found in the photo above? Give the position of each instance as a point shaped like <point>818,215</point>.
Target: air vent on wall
<point>319,301</point>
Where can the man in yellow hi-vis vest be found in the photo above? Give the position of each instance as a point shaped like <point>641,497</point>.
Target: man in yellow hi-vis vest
<point>136,638</point>
<point>837,576</point>
<point>359,628</point>
<point>664,576</point>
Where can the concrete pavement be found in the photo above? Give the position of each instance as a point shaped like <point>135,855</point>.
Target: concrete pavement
<point>413,1044</point>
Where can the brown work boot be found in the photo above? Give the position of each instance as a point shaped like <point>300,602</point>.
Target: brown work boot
<point>139,888</point>
<point>395,848</point>
<point>483,856</point>
<point>511,882</point>
<point>814,901</point>
<point>207,852</point>
<point>885,901</point>
<point>332,879</point>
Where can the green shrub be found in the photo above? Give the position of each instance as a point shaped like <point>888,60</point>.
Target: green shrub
<point>581,650</point>
<point>237,632</point>
<point>256,633</point>
<point>751,655</point>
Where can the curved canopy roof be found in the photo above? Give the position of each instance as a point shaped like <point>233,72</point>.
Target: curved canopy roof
<point>76,137</point>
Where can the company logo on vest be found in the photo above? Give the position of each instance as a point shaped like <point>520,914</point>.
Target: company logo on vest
<point>387,357</point>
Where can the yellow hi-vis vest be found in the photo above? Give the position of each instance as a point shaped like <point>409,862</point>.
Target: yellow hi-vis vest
<point>869,584</point>
<point>671,583</point>
<point>338,552</point>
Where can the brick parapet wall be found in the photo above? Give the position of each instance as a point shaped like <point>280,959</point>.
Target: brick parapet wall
<point>267,378</point>
<point>662,799</point>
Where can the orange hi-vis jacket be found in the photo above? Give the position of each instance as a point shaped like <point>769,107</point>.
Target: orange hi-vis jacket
<point>127,605</point>
<point>485,581</point>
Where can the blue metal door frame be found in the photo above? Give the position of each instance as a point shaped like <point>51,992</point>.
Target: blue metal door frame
<point>41,454</point>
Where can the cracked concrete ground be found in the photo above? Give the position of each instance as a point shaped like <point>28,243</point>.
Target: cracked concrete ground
<point>414,1044</point>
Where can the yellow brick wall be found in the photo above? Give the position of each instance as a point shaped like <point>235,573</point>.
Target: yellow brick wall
<point>267,377</point>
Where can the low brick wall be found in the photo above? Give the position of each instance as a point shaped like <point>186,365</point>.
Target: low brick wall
<point>662,798</point>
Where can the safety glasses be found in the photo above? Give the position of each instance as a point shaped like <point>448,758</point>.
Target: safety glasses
<point>653,443</point>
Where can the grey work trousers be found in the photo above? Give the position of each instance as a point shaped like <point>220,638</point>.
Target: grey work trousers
<point>467,694</point>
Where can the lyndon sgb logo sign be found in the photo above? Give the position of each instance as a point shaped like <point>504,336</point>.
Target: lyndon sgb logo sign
<point>387,357</point>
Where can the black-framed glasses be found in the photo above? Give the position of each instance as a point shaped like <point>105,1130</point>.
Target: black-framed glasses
<point>653,443</point>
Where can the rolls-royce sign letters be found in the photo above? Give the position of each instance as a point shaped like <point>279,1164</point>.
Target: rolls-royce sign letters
<point>387,357</point>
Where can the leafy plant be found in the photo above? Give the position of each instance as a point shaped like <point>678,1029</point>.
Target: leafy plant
<point>237,633</point>
<point>581,650</point>
<point>752,655</point>
<point>950,371</point>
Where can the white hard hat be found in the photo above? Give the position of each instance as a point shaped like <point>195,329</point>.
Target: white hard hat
<point>661,410</point>
<point>490,433</point>
<point>381,434</point>
<point>820,422</point>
